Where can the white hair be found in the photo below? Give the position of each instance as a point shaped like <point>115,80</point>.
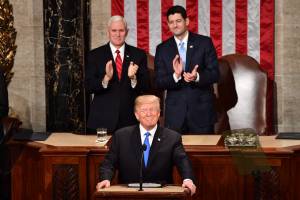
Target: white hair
<point>117,18</point>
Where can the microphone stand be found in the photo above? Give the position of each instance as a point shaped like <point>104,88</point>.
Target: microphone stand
<point>144,147</point>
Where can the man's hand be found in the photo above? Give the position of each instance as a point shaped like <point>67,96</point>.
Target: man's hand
<point>103,184</point>
<point>190,186</point>
<point>132,69</point>
<point>189,77</point>
<point>177,66</point>
<point>109,71</point>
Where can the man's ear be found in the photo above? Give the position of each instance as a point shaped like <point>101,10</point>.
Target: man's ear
<point>187,21</point>
<point>136,116</point>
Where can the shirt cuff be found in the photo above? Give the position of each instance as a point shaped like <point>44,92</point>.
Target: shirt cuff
<point>104,84</point>
<point>187,179</point>
<point>133,82</point>
<point>175,78</point>
<point>198,77</point>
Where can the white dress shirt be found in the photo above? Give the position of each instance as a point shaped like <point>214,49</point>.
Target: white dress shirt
<point>113,51</point>
<point>122,52</point>
<point>185,40</point>
<point>151,136</point>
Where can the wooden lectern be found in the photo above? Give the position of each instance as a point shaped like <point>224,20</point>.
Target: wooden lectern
<point>118,192</point>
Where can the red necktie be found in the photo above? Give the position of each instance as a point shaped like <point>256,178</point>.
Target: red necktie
<point>119,64</point>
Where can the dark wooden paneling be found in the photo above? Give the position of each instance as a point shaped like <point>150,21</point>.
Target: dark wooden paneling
<point>219,174</point>
<point>65,180</point>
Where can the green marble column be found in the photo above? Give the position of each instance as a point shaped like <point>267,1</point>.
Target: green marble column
<point>66,42</point>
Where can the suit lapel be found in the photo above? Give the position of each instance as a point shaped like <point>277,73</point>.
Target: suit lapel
<point>111,57</point>
<point>158,137</point>
<point>173,48</point>
<point>126,62</point>
<point>109,53</point>
<point>136,143</point>
<point>189,53</point>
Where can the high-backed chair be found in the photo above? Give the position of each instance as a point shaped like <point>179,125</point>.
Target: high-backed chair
<point>226,96</point>
<point>251,87</point>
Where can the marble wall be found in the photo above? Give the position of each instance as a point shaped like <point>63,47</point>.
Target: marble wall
<point>64,33</point>
<point>27,90</point>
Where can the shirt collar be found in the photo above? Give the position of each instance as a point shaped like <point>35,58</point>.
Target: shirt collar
<point>121,49</point>
<point>185,39</point>
<point>143,130</point>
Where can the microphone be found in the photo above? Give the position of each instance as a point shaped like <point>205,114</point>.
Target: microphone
<point>144,147</point>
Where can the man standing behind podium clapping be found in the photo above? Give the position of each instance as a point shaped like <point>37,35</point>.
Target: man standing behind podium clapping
<point>186,65</point>
<point>116,74</point>
<point>164,145</point>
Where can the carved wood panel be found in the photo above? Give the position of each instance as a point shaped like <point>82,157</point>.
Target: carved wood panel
<point>65,182</point>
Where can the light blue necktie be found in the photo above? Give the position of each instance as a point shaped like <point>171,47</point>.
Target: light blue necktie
<point>146,152</point>
<point>182,53</point>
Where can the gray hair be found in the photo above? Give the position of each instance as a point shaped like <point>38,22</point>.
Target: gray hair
<point>117,18</point>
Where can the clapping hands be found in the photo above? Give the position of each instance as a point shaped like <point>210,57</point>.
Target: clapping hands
<point>191,76</point>
<point>132,70</point>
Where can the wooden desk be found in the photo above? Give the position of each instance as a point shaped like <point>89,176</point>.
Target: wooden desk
<point>122,192</point>
<point>67,165</point>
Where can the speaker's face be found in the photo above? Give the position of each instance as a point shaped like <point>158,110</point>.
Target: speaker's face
<point>148,114</point>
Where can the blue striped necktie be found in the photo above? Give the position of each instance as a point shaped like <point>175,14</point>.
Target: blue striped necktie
<point>182,53</point>
<point>146,152</point>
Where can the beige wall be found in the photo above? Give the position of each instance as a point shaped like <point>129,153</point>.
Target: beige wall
<point>27,91</point>
<point>100,13</point>
<point>287,64</point>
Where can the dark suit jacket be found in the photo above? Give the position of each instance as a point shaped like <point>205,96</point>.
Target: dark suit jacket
<point>188,101</point>
<point>125,155</point>
<point>112,107</point>
<point>3,101</point>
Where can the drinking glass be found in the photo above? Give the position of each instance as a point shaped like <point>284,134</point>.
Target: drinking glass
<point>101,134</point>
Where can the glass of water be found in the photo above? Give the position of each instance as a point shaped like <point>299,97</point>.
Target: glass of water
<point>101,134</point>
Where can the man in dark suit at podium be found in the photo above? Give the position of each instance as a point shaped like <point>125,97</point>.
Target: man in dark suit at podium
<point>163,150</point>
<point>116,74</point>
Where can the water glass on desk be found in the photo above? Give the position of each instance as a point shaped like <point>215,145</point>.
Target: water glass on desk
<point>101,135</point>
